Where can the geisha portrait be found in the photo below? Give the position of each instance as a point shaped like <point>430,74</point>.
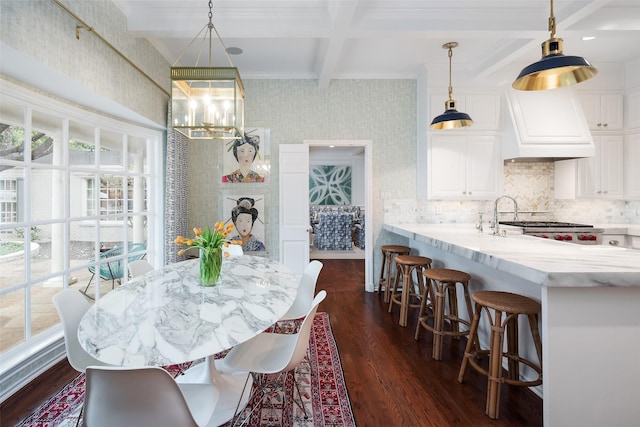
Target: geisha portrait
<point>248,226</point>
<point>245,159</point>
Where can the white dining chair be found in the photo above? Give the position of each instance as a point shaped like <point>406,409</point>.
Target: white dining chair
<point>231,251</point>
<point>71,305</point>
<point>139,267</point>
<point>145,397</point>
<point>306,291</point>
<point>270,353</point>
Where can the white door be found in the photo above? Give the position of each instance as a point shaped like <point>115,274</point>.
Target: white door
<point>294,206</point>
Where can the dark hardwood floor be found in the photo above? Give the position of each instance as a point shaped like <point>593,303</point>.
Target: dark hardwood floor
<point>391,378</point>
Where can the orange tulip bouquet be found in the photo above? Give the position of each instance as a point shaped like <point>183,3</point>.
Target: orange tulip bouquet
<point>210,245</point>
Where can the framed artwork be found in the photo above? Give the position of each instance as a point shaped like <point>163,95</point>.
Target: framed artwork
<point>330,185</point>
<point>247,159</point>
<point>246,212</point>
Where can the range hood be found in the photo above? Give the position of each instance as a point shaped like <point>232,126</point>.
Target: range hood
<point>544,125</point>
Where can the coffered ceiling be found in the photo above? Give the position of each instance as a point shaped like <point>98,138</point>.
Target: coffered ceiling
<point>341,39</point>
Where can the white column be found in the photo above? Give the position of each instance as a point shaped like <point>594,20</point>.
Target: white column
<point>57,210</point>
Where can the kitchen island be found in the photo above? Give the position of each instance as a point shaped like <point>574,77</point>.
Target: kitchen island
<point>590,324</point>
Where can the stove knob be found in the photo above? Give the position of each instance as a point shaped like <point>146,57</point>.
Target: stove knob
<point>558,237</point>
<point>583,237</point>
<point>544,236</point>
<point>568,237</point>
<point>593,237</point>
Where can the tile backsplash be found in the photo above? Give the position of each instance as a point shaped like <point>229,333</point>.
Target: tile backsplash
<point>531,184</point>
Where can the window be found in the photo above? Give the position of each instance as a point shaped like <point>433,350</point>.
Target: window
<point>111,196</point>
<point>72,182</point>
<point>8,200</point>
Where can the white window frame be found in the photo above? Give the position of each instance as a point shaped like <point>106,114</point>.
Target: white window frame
<point>37,353</point>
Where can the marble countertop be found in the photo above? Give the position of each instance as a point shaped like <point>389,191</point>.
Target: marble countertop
<point>546,262</point>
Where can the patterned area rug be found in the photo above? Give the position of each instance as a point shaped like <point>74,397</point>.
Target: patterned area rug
<point>320,379</point>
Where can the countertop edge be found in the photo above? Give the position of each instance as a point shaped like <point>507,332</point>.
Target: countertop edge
<point>606,278</point>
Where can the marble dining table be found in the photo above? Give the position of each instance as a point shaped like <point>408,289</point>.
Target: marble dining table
<point>166,317</point>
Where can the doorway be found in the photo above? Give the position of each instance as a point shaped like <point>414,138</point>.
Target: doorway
<point>357,156</point>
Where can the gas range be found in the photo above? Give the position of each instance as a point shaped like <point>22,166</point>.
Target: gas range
<point>582,234</point>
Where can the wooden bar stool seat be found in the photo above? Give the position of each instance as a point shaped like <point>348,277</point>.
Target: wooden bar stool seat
<point>511,305</point>
<point>389,252</point>
<point>408,296</point>
<point>442,283</point>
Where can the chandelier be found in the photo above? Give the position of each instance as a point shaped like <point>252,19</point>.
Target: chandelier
<point>207,102</point>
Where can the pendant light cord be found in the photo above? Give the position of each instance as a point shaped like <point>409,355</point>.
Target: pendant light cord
<point>450,54</point>
<point>211,28</point>
<point>552,22</point>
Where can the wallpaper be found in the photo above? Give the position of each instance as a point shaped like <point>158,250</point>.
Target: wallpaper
<point>383,111</point>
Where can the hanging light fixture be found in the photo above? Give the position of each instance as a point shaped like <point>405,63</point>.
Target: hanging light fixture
<point>207,102</point>
<point>451,118</point>
<point>555,69</point>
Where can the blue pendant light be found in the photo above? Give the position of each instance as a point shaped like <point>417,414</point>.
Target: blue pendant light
<point>555,69</point>
<point>451,118</point>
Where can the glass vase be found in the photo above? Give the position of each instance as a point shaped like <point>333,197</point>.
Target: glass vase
<point>210,266</point>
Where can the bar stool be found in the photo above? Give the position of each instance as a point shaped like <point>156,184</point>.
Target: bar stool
<point>444,285</point>
<point>513,305</point>
<point>389,252</point>
<point>405,266</point>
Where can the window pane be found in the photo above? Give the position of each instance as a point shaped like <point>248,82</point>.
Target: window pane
<point>137,230</point>
<point>83,237</point>
<point>11,132</point>
<point>11,195</point>
<point>12,259</point>
<point>137,159</point>
<point>43,312</point>
<point>46,139</point>
<point>83,195</point>
<point>47,194</point>
<point>82,147</point>
<point>48,258</point>
<point>112,196</point>
<point>111,152</point>
<point>12,319</point>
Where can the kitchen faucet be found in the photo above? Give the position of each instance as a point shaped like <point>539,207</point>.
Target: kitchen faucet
<point>496,227</point>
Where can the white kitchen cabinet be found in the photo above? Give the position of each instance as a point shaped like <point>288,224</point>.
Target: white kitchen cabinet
<point>632,166</point>
<point>482,107</point>
<point>463,167</point>
<point>603,111</point>
<point>619,240</point>
<point>632,109</point>
<point>598,177</point>
<point>602,176</point>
